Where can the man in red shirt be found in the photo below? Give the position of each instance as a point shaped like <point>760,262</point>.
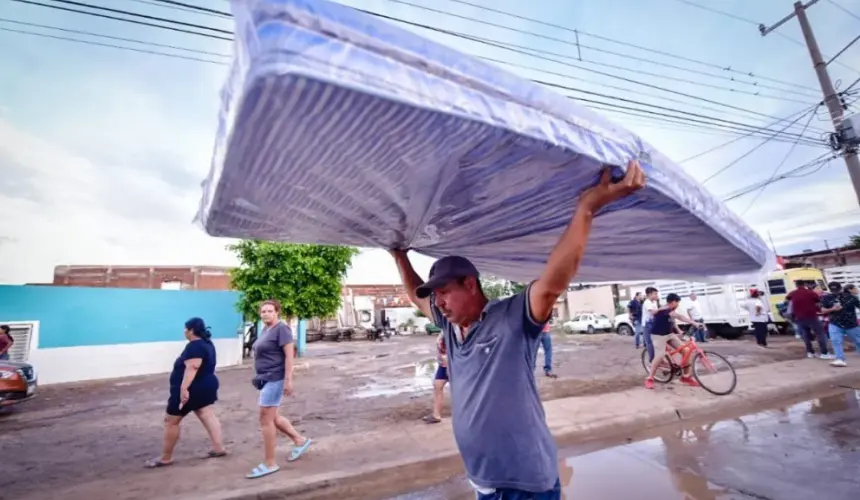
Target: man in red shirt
<point>805,305</point>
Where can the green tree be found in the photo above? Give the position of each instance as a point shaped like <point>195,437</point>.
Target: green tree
<point>854,242</point>
<point>497,288</point>
<point>305,279</point>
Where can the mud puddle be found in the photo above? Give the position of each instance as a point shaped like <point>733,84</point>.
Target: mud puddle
<point>417,379</point>
<point>797,451</point>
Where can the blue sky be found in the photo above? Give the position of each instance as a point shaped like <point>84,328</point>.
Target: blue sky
<point>102,150</point>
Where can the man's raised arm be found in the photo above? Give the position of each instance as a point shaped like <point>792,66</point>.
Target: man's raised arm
<point>411,281</point>
<point>565,258</point>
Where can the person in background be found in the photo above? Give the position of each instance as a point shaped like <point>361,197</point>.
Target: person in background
<point>758,317</point>
<point>662,335</point>
<point>634,311</point>
<point>842,304</point>
<point>273,365</point>
<point>649,307</point>
<point>695,314</point>
<point>498,419</point>
<point>546,343</point>
<point>6,341</point>
<point>440,379</point>
<point>804,308</point>
<point>193,388</point>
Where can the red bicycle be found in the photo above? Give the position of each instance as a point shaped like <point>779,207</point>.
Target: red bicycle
<point>712,371</point>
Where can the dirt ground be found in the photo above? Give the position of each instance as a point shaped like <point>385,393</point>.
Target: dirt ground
<point>72,435</point>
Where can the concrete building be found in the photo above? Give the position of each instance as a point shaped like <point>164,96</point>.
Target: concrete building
<point>151,277</point>
<point>822,259</point>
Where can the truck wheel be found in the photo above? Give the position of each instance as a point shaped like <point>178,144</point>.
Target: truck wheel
<point>589,330</point>
<point>625,330</point>
<point>730,333</point>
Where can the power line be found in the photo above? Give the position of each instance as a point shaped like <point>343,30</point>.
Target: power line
<point>720,146</point>
<point>777,169</point>
<point>121,19</point>
<point>819,162</point>
<point>567,42</point>
<point>109,37</point>
<point>429,27</point>
<point>751,151</point>
<point>631,45</point>
<point>167,5</point>
<point>144,16</point>
<point>843,9</point>
<point>754,23</point>
<point>89,42</point>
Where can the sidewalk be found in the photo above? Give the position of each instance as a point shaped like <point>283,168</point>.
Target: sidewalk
<point>413,456</point>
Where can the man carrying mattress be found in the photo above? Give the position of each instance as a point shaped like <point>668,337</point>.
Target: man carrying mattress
<point>498,419</point>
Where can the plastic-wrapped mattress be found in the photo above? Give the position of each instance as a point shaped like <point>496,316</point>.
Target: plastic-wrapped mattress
<point>339,128</point>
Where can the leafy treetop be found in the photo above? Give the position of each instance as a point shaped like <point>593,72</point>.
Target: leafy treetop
<point>305,279</point>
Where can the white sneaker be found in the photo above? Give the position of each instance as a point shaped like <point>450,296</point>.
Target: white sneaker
<point>827,356</point>
<point>810,355</point>
<point>838,363</point>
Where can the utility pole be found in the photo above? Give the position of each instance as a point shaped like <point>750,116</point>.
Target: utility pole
<point>831,98</point>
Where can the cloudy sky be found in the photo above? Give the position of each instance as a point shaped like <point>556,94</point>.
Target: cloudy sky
<point>102,150</point>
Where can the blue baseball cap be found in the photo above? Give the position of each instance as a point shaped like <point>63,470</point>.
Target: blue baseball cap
<point>444,271</point>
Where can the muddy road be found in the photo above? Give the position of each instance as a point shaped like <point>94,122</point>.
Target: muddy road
<point>74,434</point>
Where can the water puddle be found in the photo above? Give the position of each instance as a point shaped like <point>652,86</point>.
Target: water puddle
<point>420,381</point>
<point>791,452</point>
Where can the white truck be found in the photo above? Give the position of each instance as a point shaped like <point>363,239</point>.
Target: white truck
<point>843,274</point>
<point>721,305</point>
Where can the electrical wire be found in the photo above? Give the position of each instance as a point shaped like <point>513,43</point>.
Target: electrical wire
<point>757,25</point>
<point>578,45</point>
<point>132,49</point>
<point>121,19</point>
<point>720,146</point>
<point>462,35</point>
<point>819,162</point>
<point>728,69</point>
<point>183,8</point>
<point>843,9</point>
<point>776,169</point>
<point>751,151</point>
<point>573,44</point>
<point>110,37</point>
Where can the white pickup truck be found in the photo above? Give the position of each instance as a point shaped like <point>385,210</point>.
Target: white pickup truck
<point>588,323</point>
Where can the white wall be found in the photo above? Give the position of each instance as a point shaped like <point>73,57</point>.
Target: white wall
<point>596,300</point>
<point>78,364</point>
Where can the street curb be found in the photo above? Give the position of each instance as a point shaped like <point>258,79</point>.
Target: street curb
<point>386,479</point>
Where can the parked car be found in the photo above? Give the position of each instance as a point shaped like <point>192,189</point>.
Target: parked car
<point>431,329</point>
<point>17,382</point>
<point>623,325</point>
<point>588,323</point>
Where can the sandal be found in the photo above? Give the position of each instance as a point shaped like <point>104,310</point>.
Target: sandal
<point>261,470</point>
<point>214,454</point>
<point>298,451</point>
<point>430,419</point>
<point>157,463</point>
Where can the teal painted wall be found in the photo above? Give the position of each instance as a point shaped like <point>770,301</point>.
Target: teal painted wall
<point>78,316</point>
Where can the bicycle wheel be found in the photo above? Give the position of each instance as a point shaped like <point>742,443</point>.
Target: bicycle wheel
<point>714,373</point>
<point>666,372</point>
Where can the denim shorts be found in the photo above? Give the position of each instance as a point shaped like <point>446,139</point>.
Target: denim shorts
<point>272,394</point>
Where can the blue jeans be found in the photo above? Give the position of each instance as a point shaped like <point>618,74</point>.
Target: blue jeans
<point>812,329</point>
<point>546,342</point>
<point>508,494</point>
<point>837,338</point>
<point>637,332</point>
<point>646,333</point>
<point>699,333</point>
<point>4,356</point>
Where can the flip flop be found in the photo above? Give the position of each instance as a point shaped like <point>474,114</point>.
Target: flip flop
<point>156,463</point>
<point>261,470</point>
<point>430,419</point>
<point>298,451</point>
<point>214,454</point>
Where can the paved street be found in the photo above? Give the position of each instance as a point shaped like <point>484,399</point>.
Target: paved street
<point>797,452</point>
<point>75,441</point>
